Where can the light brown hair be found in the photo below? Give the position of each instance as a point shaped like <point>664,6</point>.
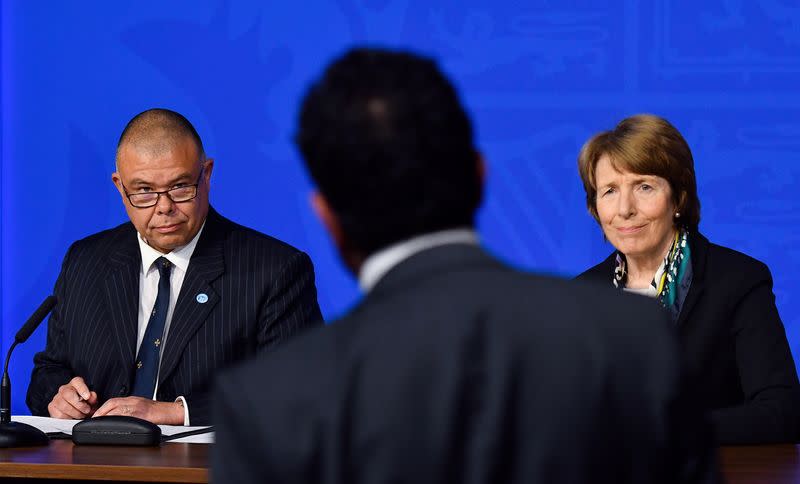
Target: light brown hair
<point>645,144</point>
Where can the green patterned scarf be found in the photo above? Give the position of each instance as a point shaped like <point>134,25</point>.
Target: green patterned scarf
<point>673,283</point>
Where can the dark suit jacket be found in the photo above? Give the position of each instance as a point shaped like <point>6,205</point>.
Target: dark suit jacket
<point>456,368</point>
<point>735,345</point>
<point>260,292</point>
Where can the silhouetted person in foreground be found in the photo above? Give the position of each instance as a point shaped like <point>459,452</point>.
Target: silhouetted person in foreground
<point>454,367</point>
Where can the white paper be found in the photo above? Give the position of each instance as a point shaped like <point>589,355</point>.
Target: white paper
<point>46,424</point>
<point>50,425</point>
<point>207,438</point>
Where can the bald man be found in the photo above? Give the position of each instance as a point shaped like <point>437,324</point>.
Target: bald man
<point>150,310</point>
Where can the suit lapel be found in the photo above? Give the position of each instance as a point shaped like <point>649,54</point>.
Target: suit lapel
<point>699,246</point>
<point>122,294</point>
<point>197,297</point>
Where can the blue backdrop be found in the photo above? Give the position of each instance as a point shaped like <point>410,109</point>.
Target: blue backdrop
<point>538,77</point>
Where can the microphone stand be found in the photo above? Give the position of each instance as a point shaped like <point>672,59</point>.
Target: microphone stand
<point>18,434</point>
<point>15,434</point>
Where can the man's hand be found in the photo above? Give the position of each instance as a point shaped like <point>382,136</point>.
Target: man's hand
<point>73,400</point>
<point>164,413</point>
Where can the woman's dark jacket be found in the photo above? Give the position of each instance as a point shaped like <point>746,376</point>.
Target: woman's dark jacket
<point>735,345</point>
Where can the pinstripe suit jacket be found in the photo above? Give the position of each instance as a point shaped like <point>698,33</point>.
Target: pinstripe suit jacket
<point>260,292</point>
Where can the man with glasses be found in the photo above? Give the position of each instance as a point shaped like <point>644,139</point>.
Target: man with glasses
<point>149,310</point>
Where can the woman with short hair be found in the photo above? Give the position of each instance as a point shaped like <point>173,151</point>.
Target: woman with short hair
<point>640,187</point>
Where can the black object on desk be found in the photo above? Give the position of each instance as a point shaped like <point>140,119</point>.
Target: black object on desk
<point>116,430</point>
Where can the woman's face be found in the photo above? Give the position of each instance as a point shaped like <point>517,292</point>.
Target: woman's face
<point>635,211</point>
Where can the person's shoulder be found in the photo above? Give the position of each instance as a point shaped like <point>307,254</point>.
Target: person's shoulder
<point>551,304</point>
<point>601,272</point>
<point>520,307</point>
<point>594,297</point>
<point>300,368</point>
<point>556,318</point>
<point>100,238</point>
<point>724,262</point>
<point>103,241</point>
<point>90,254</point>
<point>242,236</point>
<point>734,259</point>
<point>589,312</point>
<point>632,326</point>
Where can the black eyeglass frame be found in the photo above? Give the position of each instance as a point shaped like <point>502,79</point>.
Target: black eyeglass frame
<point>164,192</point>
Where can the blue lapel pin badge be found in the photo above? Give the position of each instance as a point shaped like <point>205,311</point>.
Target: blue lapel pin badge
<point>202,298</point>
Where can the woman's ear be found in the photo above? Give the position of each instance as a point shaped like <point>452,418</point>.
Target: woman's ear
<point>680,203</point>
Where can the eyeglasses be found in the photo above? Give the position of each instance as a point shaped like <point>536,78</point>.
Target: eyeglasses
<point>180,194</point>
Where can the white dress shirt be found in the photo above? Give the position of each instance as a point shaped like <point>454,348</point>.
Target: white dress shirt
<point>378,264</point>
<point>148,290</point>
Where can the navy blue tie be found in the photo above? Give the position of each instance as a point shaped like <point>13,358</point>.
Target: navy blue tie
<point>148,358</point>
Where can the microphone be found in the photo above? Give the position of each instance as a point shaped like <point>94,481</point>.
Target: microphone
<point>17,434</point>
<point>34,321</point>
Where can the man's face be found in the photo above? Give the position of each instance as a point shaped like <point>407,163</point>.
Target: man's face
<point>166,225</point>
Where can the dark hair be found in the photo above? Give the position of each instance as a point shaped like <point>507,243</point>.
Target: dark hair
<point>159,128</point>
<point>386,140</point>
<point>647,145</point>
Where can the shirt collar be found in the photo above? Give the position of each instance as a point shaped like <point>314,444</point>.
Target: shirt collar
<point>179,257</point>
<point>381,262</point>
